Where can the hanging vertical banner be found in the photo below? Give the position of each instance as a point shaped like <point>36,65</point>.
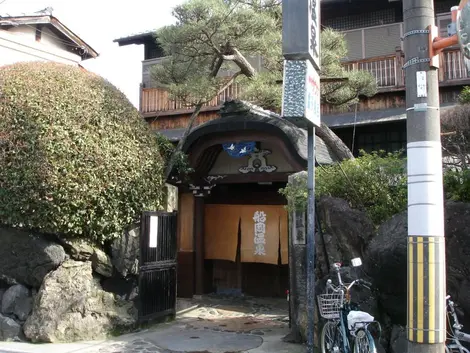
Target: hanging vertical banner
<point>221,232</point>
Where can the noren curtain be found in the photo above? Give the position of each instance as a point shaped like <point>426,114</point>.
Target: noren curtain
<point>221,224</point>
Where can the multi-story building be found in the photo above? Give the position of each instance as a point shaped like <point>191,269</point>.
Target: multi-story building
<point>373,31</point>
<point>40,38</point>
<point>218,242</point>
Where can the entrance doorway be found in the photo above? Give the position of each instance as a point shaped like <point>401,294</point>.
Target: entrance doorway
<point>246,249</point>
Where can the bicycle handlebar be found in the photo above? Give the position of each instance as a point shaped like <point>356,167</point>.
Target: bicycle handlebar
<point>342,286</point>
<point>364,283</point>
<point>337,267</point>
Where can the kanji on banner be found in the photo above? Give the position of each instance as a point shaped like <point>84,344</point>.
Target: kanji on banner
<point>260,234</point>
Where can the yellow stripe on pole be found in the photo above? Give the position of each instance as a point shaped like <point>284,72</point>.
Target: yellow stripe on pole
<point>420,295</point>
<point>410,288</point>
<point>432,290</point>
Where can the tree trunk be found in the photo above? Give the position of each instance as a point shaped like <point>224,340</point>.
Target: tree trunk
<point>245,67</point>
<point>338,147</point>
<point>197,110</point>
<point>179,147</point>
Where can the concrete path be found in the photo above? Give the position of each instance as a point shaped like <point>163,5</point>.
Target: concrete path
<point>214,326</point>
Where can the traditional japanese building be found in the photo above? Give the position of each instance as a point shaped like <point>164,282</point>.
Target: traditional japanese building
<point>232,221</point>
<point>233,224</point>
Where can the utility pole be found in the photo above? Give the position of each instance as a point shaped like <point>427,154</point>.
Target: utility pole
<point>426,326</point>
<point>426,322</point>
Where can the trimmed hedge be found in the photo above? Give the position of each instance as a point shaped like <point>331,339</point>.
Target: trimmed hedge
<point>76,158</point>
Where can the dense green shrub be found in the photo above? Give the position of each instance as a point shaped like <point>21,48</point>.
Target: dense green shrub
<point>181,166</point>
<point>375,183</point>
<point>464,96</point>
<point>76,158</point>
<point>457,184</point>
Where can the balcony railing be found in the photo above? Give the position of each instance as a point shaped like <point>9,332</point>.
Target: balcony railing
<point>157,99</point>
<point>387,70</point>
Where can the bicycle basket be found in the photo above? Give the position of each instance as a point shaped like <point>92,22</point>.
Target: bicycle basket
<point>329,305</point>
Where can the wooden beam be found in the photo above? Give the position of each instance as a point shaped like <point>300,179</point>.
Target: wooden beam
<point>199,245</point>
<point>246,178</point>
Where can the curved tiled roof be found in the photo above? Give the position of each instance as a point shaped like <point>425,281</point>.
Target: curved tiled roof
<point>238,116</point>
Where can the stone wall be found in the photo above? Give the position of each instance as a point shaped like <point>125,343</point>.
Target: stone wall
<point>58,290</point>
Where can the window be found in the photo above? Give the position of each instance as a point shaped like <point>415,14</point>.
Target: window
<point>152,51</point>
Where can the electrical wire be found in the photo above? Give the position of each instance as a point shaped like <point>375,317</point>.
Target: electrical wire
<point>354,129</point>
<point>357,197</point>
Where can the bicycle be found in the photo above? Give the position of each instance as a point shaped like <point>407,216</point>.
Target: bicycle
<point>346,326</point>
<point>455,334</point>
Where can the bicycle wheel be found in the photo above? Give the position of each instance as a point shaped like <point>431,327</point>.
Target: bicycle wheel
<point>364,343</point>
<point>331,339</point>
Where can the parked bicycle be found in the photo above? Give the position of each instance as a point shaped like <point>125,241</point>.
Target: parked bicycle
<point>346,328</point>
<point>455,335</point>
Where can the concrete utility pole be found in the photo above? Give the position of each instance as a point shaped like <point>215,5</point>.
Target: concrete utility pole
<point>426,324</point>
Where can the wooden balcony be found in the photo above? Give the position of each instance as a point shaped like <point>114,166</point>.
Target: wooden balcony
<point>389,74</point>
<point>157,99</point>
<point>387,70</point>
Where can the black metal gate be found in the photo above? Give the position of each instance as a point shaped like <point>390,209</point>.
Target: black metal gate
<point>157,272</point>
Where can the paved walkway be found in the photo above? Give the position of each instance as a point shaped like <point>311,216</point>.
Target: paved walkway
<point>216,325</point>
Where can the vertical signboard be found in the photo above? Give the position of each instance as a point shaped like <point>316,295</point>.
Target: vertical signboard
<point>301,93</point>
<point>312,95</point>
<point>301,30</point>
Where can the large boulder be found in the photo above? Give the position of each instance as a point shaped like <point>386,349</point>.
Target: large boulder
<point>78,249</point>
<point>386,263</point>
<point>457,223</point>
<point>351,229</point>
<point>17,301</point>
<point>125,252</point>
<point>9,329</point>
<point>27,257</point>
<point>2,292</point>
<point>101,263</point>
<point>71,306</point>
<point>398,340</point>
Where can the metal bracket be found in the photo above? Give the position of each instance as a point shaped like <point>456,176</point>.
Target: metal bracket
<point>421,107</point>
<point>413,32</point>
<point>414,61</point>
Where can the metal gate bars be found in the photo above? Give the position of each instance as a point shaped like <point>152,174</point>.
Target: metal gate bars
<point>157,265</point>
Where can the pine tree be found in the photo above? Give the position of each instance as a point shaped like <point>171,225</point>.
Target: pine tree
<point>215,36</point>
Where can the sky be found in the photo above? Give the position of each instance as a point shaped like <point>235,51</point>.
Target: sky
<point>98,23</point>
